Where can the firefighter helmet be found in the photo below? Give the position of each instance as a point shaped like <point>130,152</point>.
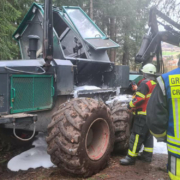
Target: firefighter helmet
<point>149,69</point>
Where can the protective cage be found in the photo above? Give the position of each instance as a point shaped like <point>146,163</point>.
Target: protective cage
<point>31,92</point>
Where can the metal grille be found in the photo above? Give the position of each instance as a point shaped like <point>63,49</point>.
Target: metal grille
<point>40,94</point>
<point>31,92</point>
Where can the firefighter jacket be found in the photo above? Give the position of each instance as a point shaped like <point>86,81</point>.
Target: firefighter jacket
<point>140,81</point>
<point>163,111</point>
<point>141,97</point>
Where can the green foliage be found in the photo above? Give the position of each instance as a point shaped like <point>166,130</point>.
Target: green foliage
<point>169,53</point>
<point>133,18</point>
<point>8,17</point>
<point>130,19</point>
<point>60,3</point>
<point>22,6</point>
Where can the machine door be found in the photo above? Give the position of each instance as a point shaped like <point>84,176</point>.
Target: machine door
<point>31,93</point>
<point>88,30</point>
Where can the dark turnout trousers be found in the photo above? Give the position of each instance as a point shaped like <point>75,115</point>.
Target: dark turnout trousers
<point>140,136</point>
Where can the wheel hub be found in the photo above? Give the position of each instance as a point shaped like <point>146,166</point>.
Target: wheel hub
<point>97,139</point>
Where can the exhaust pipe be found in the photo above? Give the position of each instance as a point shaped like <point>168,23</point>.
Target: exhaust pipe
<point>33,44</point>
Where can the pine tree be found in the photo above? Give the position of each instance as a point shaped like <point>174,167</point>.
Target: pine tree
<point>8,19</point>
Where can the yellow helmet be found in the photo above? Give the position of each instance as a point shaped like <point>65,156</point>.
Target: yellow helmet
<point>149,69</point>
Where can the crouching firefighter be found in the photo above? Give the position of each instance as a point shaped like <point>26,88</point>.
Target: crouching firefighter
<point>163,117</point>
<point>140,132</point>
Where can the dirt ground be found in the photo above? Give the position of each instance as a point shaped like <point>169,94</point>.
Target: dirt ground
<point>156,170</point>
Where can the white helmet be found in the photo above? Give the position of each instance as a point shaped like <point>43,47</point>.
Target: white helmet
<point>149,69</point>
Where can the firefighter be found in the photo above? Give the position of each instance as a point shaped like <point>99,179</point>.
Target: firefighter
<point>140,132</point>
<point>132,88</point>
<point>164,123</point>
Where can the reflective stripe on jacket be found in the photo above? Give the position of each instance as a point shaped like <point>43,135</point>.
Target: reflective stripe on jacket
<point>170,86</point>
<point>141,98</point>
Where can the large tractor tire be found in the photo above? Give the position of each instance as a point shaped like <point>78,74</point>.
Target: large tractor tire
<point>81,136</point>
<point>122,123</point>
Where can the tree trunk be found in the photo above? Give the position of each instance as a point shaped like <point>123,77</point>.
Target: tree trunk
<point>91,9</point>
<point>113,34</point>
<point>104,22</point>
<point>125,60</point>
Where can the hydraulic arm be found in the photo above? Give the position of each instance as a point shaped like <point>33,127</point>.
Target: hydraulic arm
<point>151,44</point>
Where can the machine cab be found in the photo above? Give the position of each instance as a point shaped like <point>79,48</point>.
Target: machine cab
<point>75,35</point>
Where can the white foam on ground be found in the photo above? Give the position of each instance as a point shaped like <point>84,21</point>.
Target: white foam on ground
<point>38,157</point>
<point>159,147</point>
<point>120,98</point>
<point>32,158</point>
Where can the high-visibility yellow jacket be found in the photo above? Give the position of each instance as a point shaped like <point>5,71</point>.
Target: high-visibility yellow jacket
<point>163,111</point>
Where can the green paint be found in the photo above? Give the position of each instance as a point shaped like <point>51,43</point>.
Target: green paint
<point>135,78</point>
<point>31,93</point>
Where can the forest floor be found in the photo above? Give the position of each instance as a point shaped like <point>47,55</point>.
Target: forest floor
<point>156,170</point>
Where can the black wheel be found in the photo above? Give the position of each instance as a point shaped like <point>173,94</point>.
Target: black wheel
<point>122,124</point>
<point>81,136</point>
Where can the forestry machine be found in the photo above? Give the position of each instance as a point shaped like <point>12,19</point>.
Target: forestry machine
<point>60,86</point>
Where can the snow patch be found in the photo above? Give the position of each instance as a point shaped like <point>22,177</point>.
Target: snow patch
<point>32,158</point>
<point>83,88</point>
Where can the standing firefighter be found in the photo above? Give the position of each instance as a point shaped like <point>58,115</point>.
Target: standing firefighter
<point>163,113</point>
<point>140,132</point>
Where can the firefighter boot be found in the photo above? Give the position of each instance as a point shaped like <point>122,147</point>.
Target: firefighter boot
<point>127,161</point>
<point>145,156</point>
